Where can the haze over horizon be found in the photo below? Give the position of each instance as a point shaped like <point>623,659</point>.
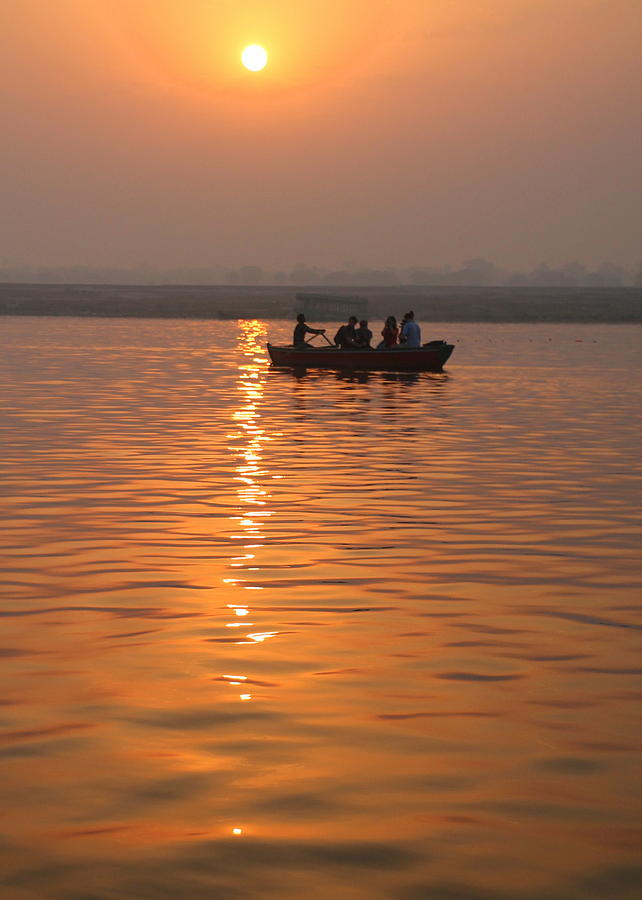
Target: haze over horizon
<point>419,134</point>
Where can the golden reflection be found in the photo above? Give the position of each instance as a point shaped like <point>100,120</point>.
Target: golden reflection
<point>238,610</point>
<point>262,635</point>
<point>251,517</point>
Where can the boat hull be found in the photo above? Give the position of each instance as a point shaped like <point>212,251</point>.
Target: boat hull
<point>429,358</point>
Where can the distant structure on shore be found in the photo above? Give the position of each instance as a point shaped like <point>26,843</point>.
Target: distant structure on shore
<point>331,307</point>
<point>431,304</point>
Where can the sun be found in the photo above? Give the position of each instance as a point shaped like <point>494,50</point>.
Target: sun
<point>254,58</point>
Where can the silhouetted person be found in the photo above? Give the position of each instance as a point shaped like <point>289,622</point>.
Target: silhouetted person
<point>346,336</point>
<point>410,331</point>
<point>301,329</point>
<point>363,334</point>
<point>390,333</point>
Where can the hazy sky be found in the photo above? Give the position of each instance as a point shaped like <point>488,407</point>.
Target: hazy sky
<point>381,133</point>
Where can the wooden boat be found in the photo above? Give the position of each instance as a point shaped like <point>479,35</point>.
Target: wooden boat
<point>428,358</point>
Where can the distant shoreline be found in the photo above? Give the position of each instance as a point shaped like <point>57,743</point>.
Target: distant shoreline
<point>431,303</point>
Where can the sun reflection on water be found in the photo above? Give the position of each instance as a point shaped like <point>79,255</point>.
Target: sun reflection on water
<point>251,516</point>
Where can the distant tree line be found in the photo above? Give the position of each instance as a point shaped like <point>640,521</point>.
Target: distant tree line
<point>473,272</point>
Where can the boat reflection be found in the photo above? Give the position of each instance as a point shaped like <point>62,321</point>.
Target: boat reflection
<point>300,373</point>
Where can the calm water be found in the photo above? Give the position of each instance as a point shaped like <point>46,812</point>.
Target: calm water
<point>269,636</point>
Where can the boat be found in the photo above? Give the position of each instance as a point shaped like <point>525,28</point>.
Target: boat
<point>429,357</point>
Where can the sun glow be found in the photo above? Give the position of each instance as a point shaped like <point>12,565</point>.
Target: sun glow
<point>254,58</point>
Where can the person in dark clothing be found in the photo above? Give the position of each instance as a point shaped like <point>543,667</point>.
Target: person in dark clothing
<point>301,329</point>
<point>363,334</point>
<point>346,336</point>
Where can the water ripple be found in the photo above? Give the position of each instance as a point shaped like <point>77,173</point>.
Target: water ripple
<point>279,635</point>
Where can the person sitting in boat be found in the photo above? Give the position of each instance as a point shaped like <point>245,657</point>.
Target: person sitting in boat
<point>300,331</point>
<point>390,333</point>
<point>410,332</point>
<point>346,336</point>
<point>363,334</point>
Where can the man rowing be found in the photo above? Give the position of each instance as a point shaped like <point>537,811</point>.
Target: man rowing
<point>300,331</point>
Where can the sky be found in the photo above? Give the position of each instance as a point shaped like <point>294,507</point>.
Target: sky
<point>415,132</point>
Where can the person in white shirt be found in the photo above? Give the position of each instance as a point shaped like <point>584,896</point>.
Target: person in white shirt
<point>410,331</point>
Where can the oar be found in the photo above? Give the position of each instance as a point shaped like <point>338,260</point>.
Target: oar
<point>309,341</point>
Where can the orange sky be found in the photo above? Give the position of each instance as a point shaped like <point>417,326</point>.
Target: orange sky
<point>381,133</point>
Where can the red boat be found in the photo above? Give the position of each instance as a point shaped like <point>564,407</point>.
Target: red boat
<point>428,358</point>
